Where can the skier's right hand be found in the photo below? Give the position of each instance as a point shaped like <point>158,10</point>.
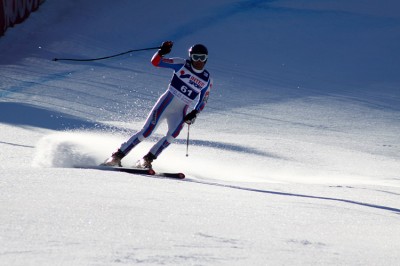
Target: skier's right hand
<point>165,48</point>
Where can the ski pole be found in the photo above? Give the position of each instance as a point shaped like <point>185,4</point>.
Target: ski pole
<point>187,142</point>
<point>105,57</point>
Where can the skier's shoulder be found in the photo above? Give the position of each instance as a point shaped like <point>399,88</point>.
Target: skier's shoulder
<point>206,73</point>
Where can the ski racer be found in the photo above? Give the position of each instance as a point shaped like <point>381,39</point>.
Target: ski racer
<point>189,82</point>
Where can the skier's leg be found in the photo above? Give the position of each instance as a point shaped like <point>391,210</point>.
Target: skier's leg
<point>175,118</point>
<point>175,125</point>
<point>154,117</point>
<point>152,121</point>
<point>146,161</point>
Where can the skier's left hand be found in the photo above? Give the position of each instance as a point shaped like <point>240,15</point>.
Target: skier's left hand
<point>191,117</point>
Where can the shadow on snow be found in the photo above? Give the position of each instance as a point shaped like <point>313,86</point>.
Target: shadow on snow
<point>21,114</point>
<point>381,207</point>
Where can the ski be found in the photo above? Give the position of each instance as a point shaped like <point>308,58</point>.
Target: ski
<point>132,170</point>
<point>171,175</point>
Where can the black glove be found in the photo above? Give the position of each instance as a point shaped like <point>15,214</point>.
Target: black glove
<point>165,48</point>
<point>191,117</point>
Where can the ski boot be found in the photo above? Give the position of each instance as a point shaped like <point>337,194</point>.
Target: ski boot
<point>115,159</point>
<point>145,162</point>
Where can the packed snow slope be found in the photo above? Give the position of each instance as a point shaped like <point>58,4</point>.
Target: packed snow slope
<point>294,161</point>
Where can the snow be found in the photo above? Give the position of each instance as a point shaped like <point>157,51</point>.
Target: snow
<point>294,161</point>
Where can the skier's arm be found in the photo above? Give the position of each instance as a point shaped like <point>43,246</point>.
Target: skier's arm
<point>158,59</point>
<point>174,63</point>
<point>203,98</point>
<point>165,48</point>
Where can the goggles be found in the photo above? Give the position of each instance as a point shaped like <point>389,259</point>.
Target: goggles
<point>199,57</point>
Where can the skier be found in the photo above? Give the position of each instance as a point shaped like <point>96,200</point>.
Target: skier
<point>189,81</point>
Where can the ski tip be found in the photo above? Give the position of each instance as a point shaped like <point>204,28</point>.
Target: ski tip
<point>151,172</point>
<point>171,175</point>
<point>181,175</point>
